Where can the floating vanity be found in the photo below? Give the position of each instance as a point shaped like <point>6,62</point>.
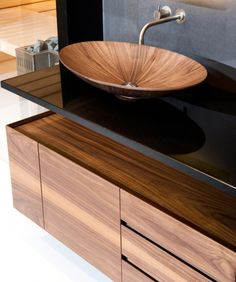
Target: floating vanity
<point>115,181</point>
<point>143,190</point>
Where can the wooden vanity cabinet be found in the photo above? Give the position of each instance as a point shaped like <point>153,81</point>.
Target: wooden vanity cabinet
<point>130,216</point>
<point>76,206</point>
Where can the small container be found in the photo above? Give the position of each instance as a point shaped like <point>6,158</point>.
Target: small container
<point>27,61</point>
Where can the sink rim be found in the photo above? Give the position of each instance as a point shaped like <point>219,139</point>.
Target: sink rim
<point>134,91</point>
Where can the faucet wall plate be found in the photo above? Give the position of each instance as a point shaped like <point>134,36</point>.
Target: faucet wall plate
<point>162,12</point>
<point>182,16</point>
<point>165,12</point>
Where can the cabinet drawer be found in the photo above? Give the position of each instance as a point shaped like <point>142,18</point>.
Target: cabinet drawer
<point>154,261</point>
<point>203,253</point>
<point>132,274</point>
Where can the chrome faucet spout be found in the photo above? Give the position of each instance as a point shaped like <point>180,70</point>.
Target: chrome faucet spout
<point>179,17</point>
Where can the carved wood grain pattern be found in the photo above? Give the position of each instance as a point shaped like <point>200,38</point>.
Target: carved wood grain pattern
<point>152,70</point>
<point>156,262</point>
<point>195,203</point>
<point>82,210</point>
<point>131,274</point>
<point>25,175</point>
<point>200,251</point>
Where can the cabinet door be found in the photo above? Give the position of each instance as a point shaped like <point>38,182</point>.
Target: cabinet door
<point>25,175</point>
<point>82,210</point>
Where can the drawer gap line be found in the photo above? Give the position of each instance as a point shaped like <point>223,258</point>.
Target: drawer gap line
<point>168,252</point>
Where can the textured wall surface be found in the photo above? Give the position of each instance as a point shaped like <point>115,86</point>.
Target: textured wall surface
<point>210,33</point>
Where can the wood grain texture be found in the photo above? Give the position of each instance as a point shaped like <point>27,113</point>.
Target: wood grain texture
<point>42,7</point>
<point>190,206</point>
<point>23,25</point>
<point>198,205</point>
<point>131,274</point>
<point>13,3</point>
<point>112,65</point>
<point>82,210</point>
<point>7,63</point>
<point>10,16</point>
<point>154,261</point>
<point>196,249</point>
<point>25,175</point>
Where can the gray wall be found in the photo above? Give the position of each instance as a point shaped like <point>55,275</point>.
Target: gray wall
<point>210,33</point>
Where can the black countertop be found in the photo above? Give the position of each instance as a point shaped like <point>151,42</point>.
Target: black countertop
<point>193,130</point>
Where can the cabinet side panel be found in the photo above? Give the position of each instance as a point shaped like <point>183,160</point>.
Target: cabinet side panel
<point>25,175</point>
<point>82,210</point>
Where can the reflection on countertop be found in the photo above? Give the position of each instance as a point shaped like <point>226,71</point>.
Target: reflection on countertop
<point>196,127</point>
<point>153,123</point>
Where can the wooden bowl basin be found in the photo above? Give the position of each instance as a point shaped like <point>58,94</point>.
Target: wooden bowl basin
<point>131,71</point>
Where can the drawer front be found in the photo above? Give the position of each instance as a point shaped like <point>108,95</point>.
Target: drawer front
<point>82,211</point>
<point>188,244</point>
<point>25,175</point>
<point>154,261</point>
<point>132,274</point>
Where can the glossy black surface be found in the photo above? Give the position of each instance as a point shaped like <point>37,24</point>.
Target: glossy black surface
<point>79,21</point>
<point>192,130</point>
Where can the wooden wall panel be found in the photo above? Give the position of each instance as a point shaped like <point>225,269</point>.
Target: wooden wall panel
<point>82,210</point>
<point>25,175</point>
<point>12,3</point>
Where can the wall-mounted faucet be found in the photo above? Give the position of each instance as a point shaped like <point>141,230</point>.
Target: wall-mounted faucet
<point>162,15</point>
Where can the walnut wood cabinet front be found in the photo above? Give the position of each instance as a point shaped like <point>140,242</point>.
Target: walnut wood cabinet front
<point>155,261</point>
<point>182,241</point>
<point>52,163</point>
<point>76,206</point>
<point>82,211</point>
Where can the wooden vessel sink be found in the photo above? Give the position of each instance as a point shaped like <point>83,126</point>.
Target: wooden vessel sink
<point>131,71</point>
